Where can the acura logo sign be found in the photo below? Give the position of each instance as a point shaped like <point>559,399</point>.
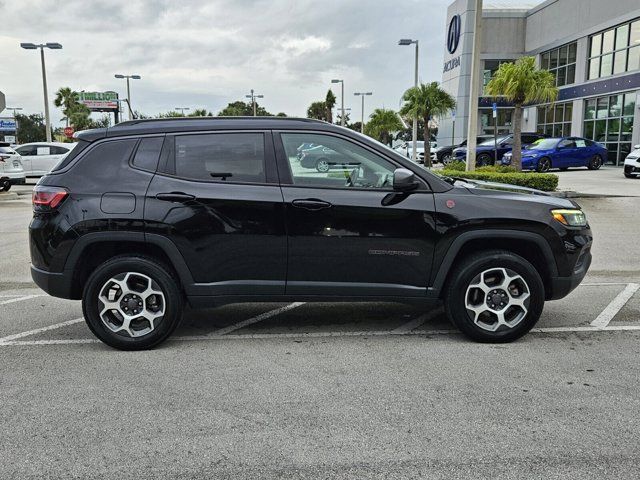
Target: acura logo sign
<point>453,35</point>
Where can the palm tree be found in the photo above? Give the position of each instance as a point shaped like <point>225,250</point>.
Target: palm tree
<point>424,102</point>
<point>381,123</point>
<point>522,83</point>
<point>68,100</point>
<point>329,102</point>
<point>317,110</point>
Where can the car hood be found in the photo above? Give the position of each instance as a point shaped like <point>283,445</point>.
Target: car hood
<point>513,192</point>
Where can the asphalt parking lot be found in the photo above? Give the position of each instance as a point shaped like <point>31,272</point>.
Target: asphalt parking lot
<point>330,390</point>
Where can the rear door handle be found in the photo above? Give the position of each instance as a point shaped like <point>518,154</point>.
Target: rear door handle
<point>175,197</point>
<point>311,204</point>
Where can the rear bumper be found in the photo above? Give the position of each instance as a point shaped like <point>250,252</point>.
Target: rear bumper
<point>55,284</point>
<point>18,181</point>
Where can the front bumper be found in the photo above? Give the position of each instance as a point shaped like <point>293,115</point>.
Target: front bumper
<point>561,286</point>
<point>632,168</point>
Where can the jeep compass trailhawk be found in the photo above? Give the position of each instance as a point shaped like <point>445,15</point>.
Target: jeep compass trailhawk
<point>144,216</point>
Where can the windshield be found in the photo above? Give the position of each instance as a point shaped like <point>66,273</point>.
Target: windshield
<point>500,140</point>
<point>544,144</point>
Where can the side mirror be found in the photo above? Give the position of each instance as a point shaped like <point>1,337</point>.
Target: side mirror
<point>404,180</point>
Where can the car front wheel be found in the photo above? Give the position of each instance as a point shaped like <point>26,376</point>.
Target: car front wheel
<point>494,296</point>
<point>322,165</point>
<point>5,185</point>
<point>544,165</point>
<point>132,303</point>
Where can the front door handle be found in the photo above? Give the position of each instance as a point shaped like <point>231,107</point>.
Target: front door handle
<point>311,204</point>
<point>175,197</point>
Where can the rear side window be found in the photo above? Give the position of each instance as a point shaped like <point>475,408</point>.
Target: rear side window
<point>59,150</point>
<point>73,154</point>
<point>27,151</point>
<point>229,157</point>
<point>148,153</point>
<point>106,156</point>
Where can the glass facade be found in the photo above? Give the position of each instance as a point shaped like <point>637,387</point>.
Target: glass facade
<point>555,119</point>
<point>609,120</point>
<point>614,51</point>
<point>562,63</point>
<point>487,122</point>
<point>489,70</point>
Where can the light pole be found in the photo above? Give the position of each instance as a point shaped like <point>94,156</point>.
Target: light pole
<point>42,46</point>
<point>362,94</point>
<point>253,97</point>
<point>182,109</point>
<point>414,155</point>
<point>14,109</point>
<point>135,77</point>
<point>335,80</point>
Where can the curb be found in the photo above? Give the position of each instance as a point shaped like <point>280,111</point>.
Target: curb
<point>572,194</point>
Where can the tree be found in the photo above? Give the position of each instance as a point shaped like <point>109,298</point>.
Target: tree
<point>68,100</point>
<point>381,123</point>
<point>329,102</point>
<point>355,126</point>
<point>522,83</point>
<point>242,109</point>
<point>200,112</point>
<point>31,128</point>
<point>317,110</point>
<point>424,102</point>
<point>171,114</point>
<point>281,114</point>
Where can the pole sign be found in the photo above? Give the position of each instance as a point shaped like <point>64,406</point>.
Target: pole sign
<point>99,101</point>
<point>495,109</point>
<point>3,102</point>
<point>8,124</point>
<point>453,114</point>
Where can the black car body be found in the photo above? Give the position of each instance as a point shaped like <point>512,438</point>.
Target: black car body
<point>218,211</point>
<point>486,151</point>
<point>445,154</point>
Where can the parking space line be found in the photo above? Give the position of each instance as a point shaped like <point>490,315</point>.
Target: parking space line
<point>615,306</point>
<point>416,322</point>
<point>28,333</point>
<point>257,318</point>
<point>20,299</point>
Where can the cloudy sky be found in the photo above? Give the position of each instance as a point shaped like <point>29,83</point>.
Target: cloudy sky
<point>208,53</point>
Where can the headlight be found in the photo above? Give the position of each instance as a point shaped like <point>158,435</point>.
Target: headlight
<point>570,217</point>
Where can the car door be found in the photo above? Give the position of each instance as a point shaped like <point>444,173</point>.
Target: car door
<point>27,152</point>
<point>41,160</point>
<point>584,152</point>
<point>565,154</point>
<point>216,197</point>
<point>349,233</point>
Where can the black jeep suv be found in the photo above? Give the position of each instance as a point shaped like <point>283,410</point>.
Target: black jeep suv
<point>147,215</point>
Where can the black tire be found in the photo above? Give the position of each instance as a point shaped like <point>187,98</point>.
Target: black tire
<point>446,159</point>
<point>5,186</point>
<point>483,160</point>
<point>544,165</point>
<point>595,163</point>
<point>322,165</point>
<point>164,280</point>
<point>467,272</point>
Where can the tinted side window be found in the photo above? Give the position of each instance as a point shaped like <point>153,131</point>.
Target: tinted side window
<point>148,153</point>
<point>107,156</point>
<point>81,145</point>
<point>529,138</point>
<point>230,157</point>
<point>58,150</point>
<point>27,151</point>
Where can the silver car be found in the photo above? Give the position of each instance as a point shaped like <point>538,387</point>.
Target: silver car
<point>11,171</point>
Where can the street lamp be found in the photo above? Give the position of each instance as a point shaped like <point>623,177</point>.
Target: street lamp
<point>135,77</point>
<point>414,133</point>
<point>182,109</point>
<point>253,97</point>
<point>14,110</point>
<point>42,46</point>
<point>362,94</point>
<point>335,80</point>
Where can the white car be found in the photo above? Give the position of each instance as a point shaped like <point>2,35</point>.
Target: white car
<point>406,148</point>
<point>632,163</point>
<point>11,171</point>
<point>39,158</point>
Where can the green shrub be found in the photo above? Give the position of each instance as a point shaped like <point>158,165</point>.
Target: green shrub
<point>540,181</point>
<point>497,168</point>
<point>458,166</point>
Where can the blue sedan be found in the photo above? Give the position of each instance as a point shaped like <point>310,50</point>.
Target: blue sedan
<point>561,153</point>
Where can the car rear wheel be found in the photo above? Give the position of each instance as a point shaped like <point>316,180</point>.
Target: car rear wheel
<point>322,165</point>
<point>494,296</point>
<point>544,165</point>
<point>5,185</point>
<point>483,160</point>
<point>595,163</point>
<point>132,303</point>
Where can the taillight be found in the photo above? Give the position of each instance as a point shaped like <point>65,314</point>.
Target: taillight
<point>48,197</point>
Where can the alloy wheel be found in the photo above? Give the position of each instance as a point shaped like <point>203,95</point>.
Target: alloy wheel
<point>131,304</point>
<point>322,166</point>
<point>497,298</point>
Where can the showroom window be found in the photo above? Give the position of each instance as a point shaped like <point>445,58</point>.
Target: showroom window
<point>615,51</point>
<point>609,120</point>
<point>489,70</point>
<point>505,121</point>
<point>555,119</point>
<point>562,63</point>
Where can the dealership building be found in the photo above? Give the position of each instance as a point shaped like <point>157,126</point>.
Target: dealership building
<point>591,46</point>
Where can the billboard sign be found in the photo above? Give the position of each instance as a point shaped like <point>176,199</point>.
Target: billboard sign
<point>99,101</point>
<point>8,124</point>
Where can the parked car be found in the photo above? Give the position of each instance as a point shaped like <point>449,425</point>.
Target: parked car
<point>406,149</point>
<point>562,153</point>
<point>39,158</point>
<point>146,215</point>
<point>323,159</point>
<point>632,163</point>
<point>11,171</point>
<point>444,154</point>
<point>485,151</point>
